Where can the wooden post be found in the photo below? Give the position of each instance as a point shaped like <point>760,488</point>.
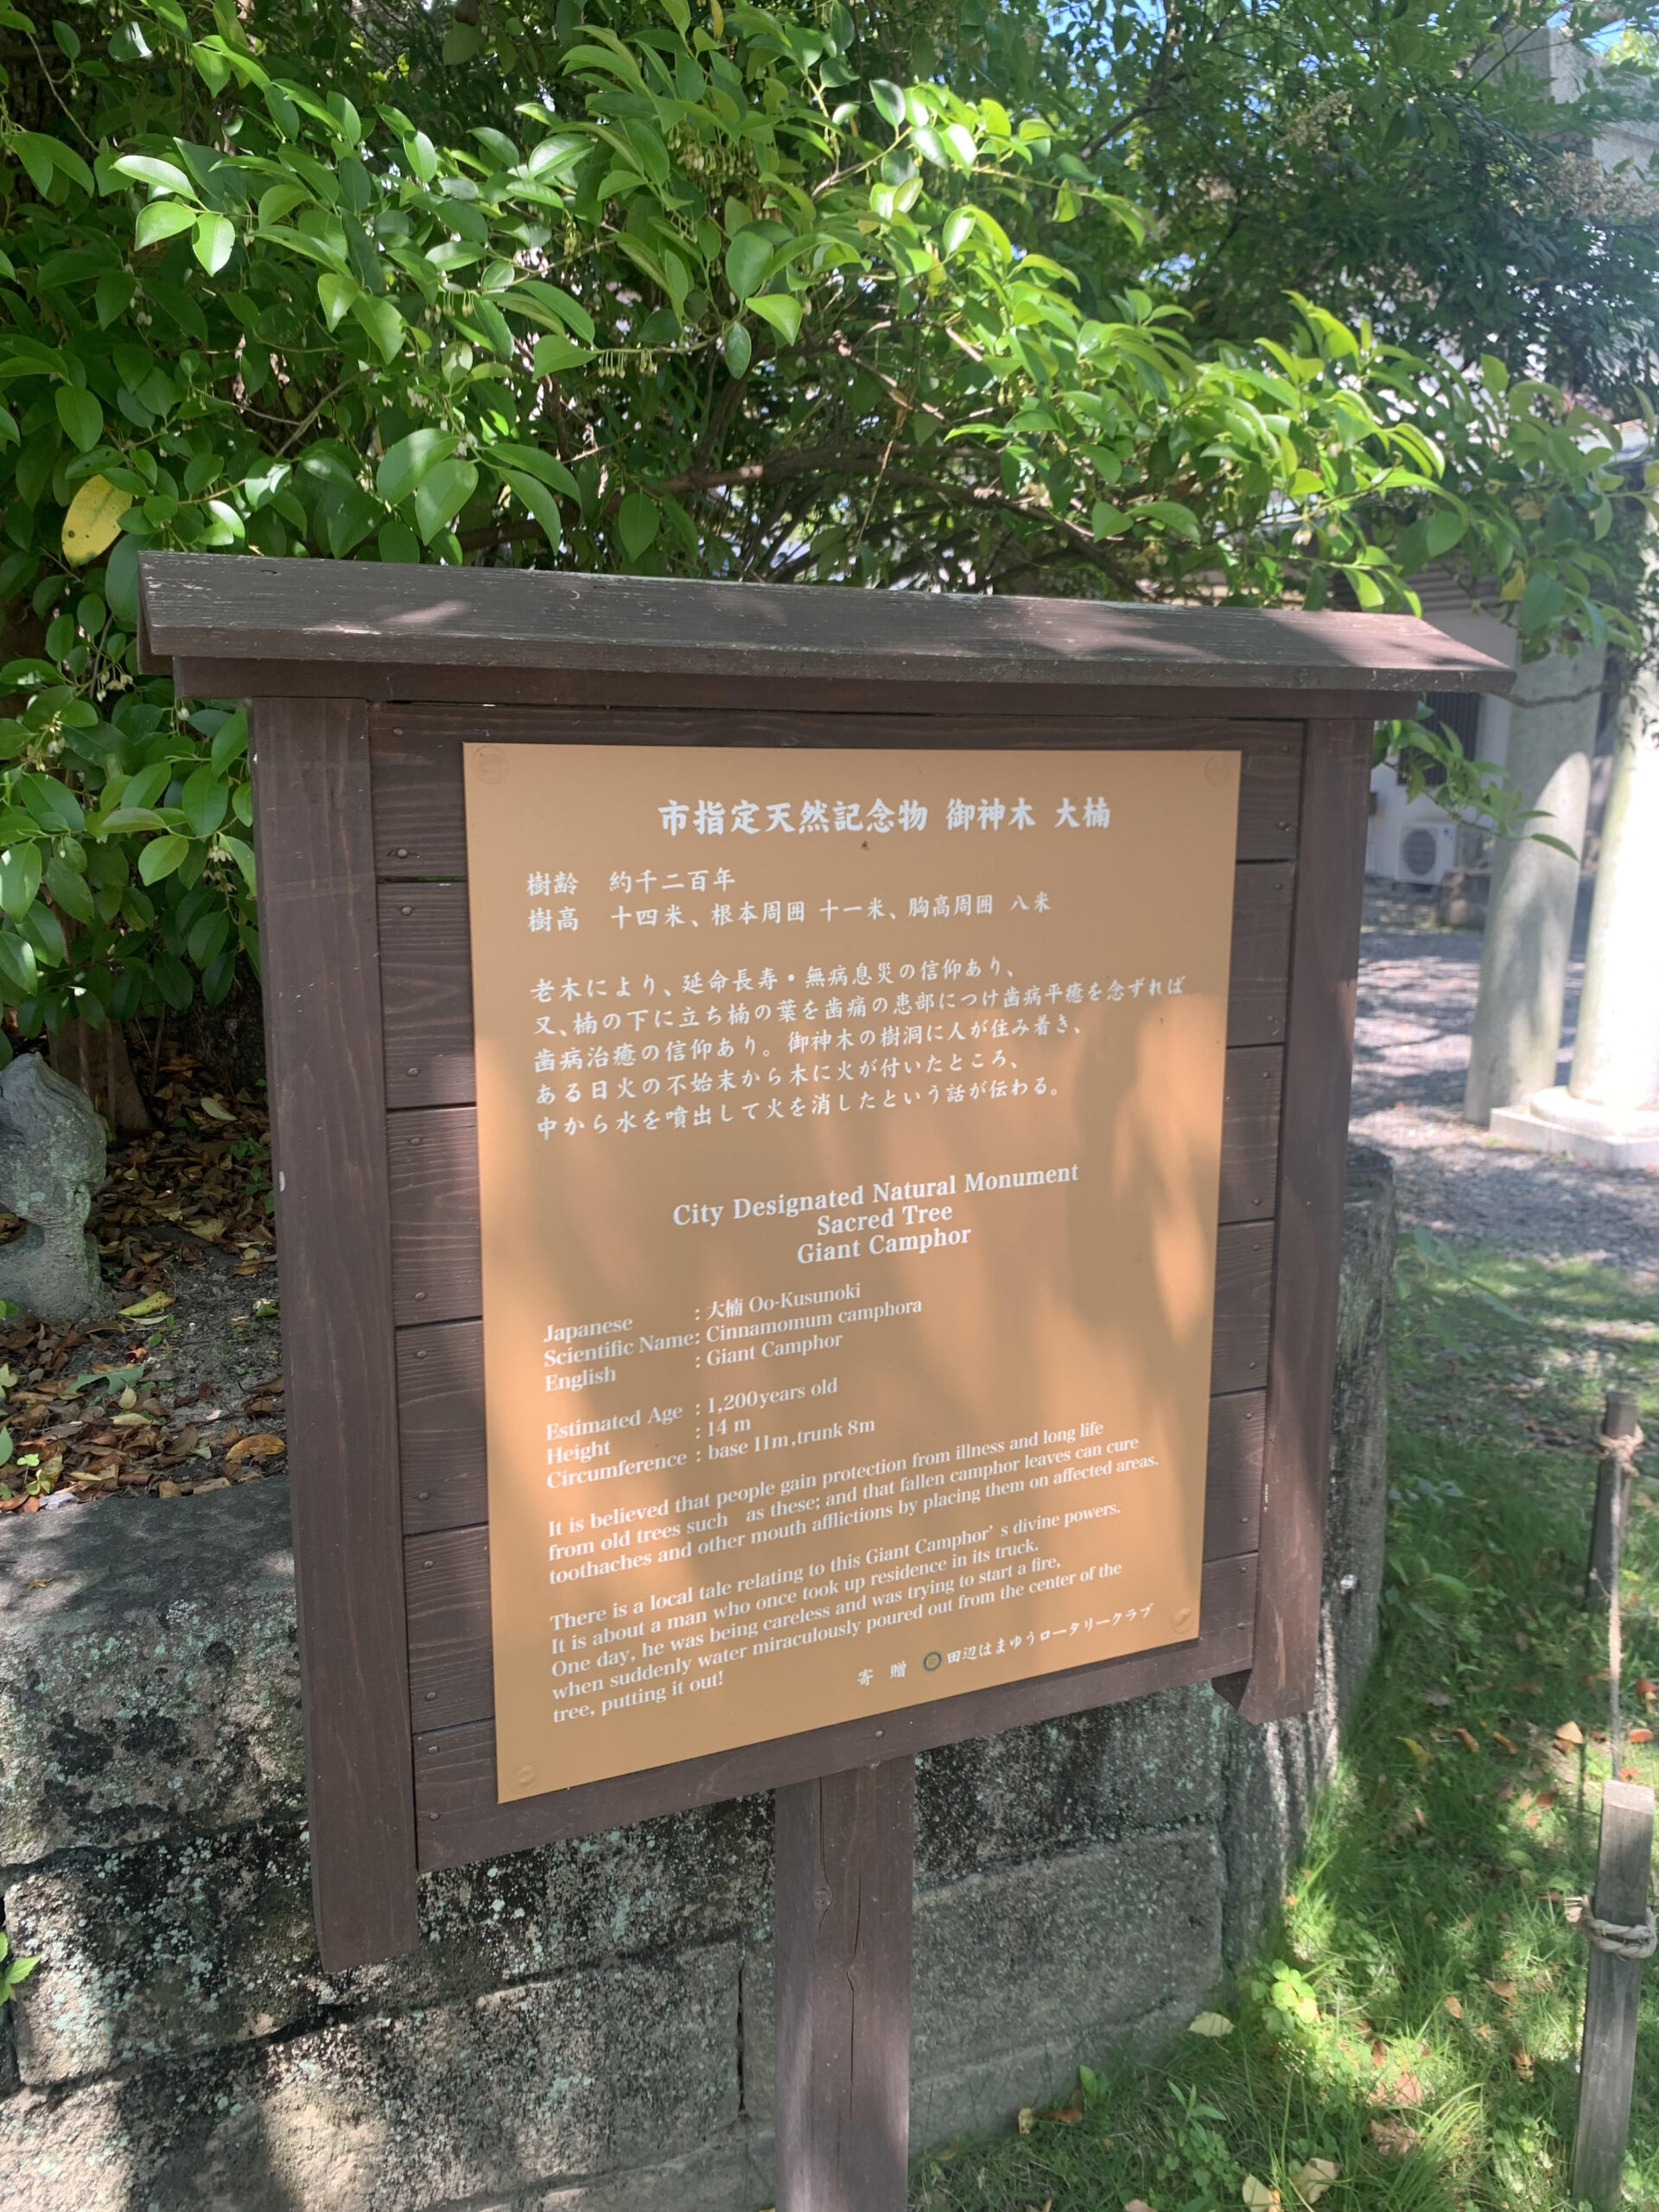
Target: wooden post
<point>1607,2059</point>
<point>1307,1264</point>
<point>1612,1499</point>
<point>845,1867</point>
<point>329,1143</point>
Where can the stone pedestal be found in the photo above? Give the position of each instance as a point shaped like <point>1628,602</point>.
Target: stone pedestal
<point>1601,1136</point>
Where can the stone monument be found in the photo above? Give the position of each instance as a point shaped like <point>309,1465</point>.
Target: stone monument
<point>52,1160</point>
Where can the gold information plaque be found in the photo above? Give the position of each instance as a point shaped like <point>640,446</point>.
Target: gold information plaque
<point>848,1133</point>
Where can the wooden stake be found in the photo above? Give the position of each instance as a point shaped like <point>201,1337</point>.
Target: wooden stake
<point>1607,2059</point>
<point>845,1868</point>
<point>1612,1497</point>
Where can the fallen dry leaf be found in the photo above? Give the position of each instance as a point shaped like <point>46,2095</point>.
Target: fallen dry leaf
<point>1454,2006</point>
<point>1522,2061</point>
<point>1028,2119</point>
<point>1466,1740</point>
<point>1436,1697</point>
<point>256,1447</point>
<point>1259,2196</point>
<point>1545,1799</point>
<point>1136,2204</point>
<point>1505,1989</point>
<point>1395,2138</point>
<point>1069,2113</point>
<point>1209,2023</point>
<point>214,1110</point>
<point>1314,2176</point>
<point>1569,1732</point>
<point>1398,2089</point>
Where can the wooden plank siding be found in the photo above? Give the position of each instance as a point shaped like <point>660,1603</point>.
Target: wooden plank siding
<point>420,858</point>
<point>420,830</point>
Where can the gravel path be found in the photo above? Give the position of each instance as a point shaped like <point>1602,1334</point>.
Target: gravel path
<point>1417,986</point>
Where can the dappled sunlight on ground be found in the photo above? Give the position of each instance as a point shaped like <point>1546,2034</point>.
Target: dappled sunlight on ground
<point>1417,986</point>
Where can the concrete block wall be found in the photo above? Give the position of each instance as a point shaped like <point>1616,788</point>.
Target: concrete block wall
<point>587,2027</point>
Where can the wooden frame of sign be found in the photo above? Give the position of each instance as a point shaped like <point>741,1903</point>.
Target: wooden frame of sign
<point>365,681</point>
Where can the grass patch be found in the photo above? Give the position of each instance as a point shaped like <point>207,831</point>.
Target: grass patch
<point>1414,2022</point>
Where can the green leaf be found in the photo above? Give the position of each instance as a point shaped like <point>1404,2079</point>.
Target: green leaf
<point>1445,527</point>
<point>242,855</point>
<point>538,501</point>
<point>638,522</point>
<point>41,155</point>
<point>1173,516</point>
<point>1106,520</point>
<point>384,324</point>
<point>17,964</point>
<point>161,219</point>
<point>397,542</point>
<point>441,494</point>
<point>889,100</point>
<point>206,799</point>
<point>338,296</point>
<point>80,416</point>
<point>69,890</point>
<point>113,295</point>
<point>162,855</point>
<point>959,226</point>
<point>407,462</point>
<point>556,353</point>
<point>214,242</point>
<point>738,347</point>
<point>146,169</point>
<point>45,930</point>
<point>129,817</point>
<point>20,878</point>
<point>748,258</point>
<point>557,303</point>
<point>782,310</point>
<point>530,460</point>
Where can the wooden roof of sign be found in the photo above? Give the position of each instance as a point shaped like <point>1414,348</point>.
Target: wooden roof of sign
<point>381,630</point>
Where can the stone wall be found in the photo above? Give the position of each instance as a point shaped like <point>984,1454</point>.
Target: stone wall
<point>588,2026</point>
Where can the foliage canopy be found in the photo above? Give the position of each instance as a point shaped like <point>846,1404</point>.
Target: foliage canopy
<point>709,301</point>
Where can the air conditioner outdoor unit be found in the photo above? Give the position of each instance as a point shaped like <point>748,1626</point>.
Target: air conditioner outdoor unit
<point>1426,850</point>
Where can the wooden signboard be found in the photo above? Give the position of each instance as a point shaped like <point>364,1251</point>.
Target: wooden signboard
<point>810,1131</point>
